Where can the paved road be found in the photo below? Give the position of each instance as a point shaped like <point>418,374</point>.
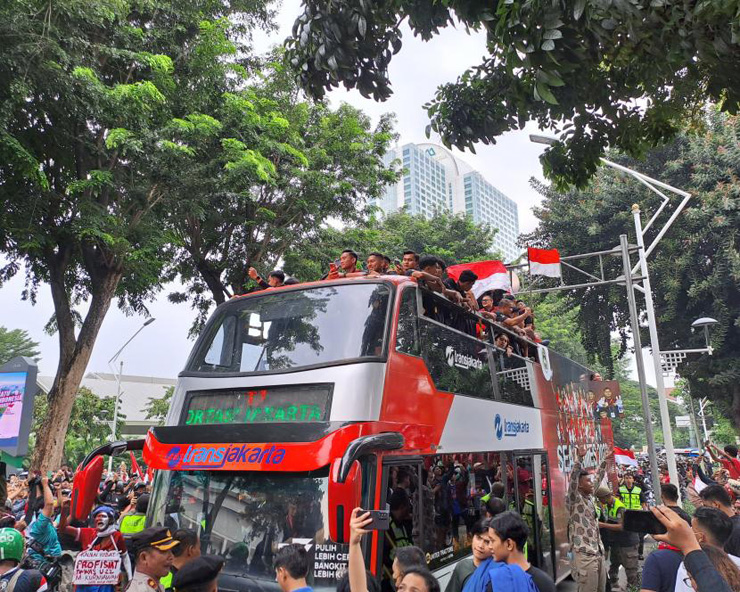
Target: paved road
<point>568,585</point>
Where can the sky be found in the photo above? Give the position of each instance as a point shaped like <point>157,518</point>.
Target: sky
<point>161,349</point>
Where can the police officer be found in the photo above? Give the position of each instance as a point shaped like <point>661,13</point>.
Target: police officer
<point>199,575</point>
<point>621,544</point>
<point>633,498</point>
<point>153,552</point>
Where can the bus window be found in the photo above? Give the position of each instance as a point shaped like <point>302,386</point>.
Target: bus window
<point>458,489</point>
<point>403,497</point>
<point>221,351</point>
<point>457,363</point>
<point>532,502</point>
<point>514,378</point>
<point>290,329</point>
<point>246,516</point>
<point>407,334</point>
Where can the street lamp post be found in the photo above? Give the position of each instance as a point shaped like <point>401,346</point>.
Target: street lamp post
<point>118,375</point>
<point>655,186</point>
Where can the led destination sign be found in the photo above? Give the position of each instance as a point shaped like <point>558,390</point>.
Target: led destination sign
<point>274,404</point>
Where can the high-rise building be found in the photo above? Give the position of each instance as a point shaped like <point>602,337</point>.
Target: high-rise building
<point>436,181</point>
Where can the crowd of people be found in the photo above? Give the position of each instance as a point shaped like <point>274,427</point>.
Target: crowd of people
<point>42,548</point>
<point>429,271</point>
<point>601,544</point>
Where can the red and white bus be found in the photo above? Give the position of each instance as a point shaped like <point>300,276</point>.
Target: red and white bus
<point>300,403</point>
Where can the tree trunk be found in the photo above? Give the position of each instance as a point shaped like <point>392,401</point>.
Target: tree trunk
<point>74,356</point>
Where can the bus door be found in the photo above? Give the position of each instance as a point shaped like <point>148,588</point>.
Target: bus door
<point>402,491</point>
<point>532,491</point>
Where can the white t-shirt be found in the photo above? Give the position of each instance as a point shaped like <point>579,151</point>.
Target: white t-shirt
<point>681,574</point>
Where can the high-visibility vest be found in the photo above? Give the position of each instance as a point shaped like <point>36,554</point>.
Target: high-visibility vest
<point>631,499</point>
<point>133,523</point>
<point>613,512</point>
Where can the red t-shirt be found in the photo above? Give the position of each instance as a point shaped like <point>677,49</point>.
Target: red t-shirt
<point>733,467</point>
<point>86,536</point>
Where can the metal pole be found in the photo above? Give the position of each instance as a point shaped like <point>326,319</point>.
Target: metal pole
<point>665,418</point>
<point>703,410</point>
<point>640,367</point>
<point>115,414</point>
<point>694,429</point>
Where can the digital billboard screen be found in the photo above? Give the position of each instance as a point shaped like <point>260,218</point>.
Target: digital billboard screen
<point>12,391</point>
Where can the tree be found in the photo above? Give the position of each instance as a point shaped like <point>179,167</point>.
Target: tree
<point>454,238</point>
<point>625,74</point>
<point>16,342</point>
<point>158,408</point>
<point>556,321</point>
<point>89,94</point>
<point>630,430</point>
<point>88,428</point>
<point>260,177</point>
<point>695,271</point>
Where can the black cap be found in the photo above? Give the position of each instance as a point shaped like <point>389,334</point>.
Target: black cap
<point>199,571</point>
<point>154,536</point>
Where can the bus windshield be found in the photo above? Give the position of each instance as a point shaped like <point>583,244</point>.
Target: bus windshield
<point>290,329</point>
<point>246,516</point>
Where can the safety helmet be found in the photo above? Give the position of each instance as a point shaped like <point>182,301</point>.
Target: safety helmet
<point>106,510</point>
<point>11,545</point>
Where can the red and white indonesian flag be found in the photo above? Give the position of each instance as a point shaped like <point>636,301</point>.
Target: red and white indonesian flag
<point>544,262</point>
<point>492,275</point>
<point>624,457</point>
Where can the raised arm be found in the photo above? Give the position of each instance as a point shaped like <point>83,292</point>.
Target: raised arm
<point>680,535</point>
<point>706,479</point>
<point>572,497</point>
<point>356,567</point>
<point>48,509</point>
<point>602,468</point>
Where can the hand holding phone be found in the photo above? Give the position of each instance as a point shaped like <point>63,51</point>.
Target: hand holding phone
<point>643,521</point>
<point>678,532</point>
<point>379,519</point>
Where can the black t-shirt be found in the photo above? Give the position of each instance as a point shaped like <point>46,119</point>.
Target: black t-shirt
<point>681,512</point>
<point>732,546</point>
<point>659,571</point>
<point>541,580</point>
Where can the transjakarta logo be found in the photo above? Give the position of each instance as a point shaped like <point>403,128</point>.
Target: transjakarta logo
<point>463,361</point>
<point>206,457</point>
<point>509,428</point>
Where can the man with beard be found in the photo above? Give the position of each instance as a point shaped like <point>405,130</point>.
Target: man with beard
<point>104,537</point>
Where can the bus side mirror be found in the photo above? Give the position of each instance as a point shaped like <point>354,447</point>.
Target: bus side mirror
<point>344,496</point>
<point>85,489</point>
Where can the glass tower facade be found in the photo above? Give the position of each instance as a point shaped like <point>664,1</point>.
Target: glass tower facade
<point>435,181</point>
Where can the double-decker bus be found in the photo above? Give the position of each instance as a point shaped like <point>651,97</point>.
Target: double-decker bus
<point>299,403</point>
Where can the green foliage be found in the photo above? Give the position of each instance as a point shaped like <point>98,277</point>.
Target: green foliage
<point>723,432</point>
<point>88,96</point>
<point>626,74</point>
<point>16,342</point>
<point>157,408</point>
<point>456,239</point>
<point>89,426</point>
<point>630,430</point>
<point>259,176</point>
<point>557,320</point>
<point>695,270</point>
